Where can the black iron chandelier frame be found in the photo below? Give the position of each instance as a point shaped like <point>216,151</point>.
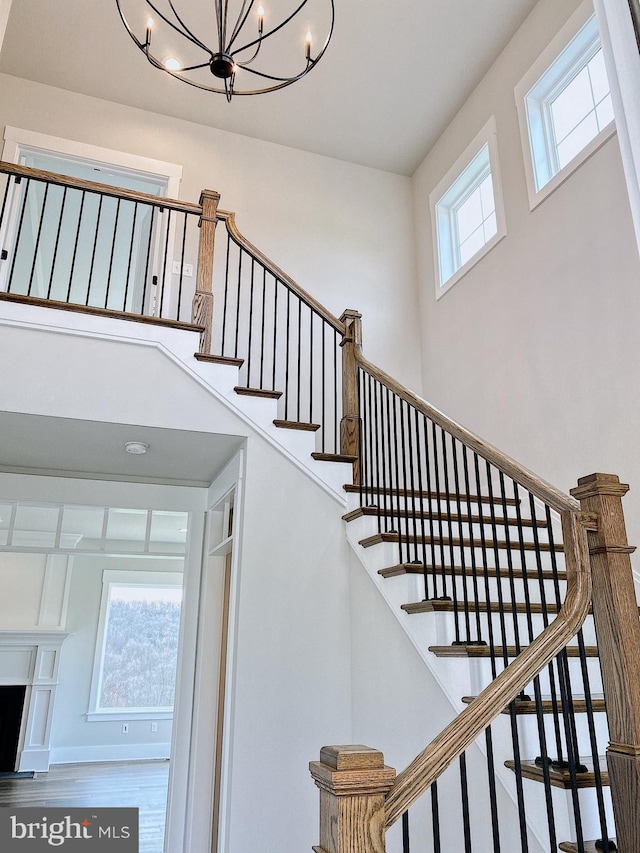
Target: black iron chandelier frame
<point>226,60</point>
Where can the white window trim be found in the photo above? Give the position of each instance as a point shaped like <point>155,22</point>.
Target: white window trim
<point>487,136</point>
<point>132,578</point>
<point>553,50</point>
<point>16,138</point>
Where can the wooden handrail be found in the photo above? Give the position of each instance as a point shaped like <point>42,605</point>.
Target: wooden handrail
<point>465,728</point>
<point>547,493</point>
<point>275,270</point>
<point>102,189</point>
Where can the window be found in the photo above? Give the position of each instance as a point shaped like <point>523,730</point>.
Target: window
<point>137,645</point>
<point>565,106</point>
<point>466,210</point>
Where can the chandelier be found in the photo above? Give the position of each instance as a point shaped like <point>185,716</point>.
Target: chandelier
<point>247,48</point>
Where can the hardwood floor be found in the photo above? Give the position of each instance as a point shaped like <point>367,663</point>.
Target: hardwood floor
<point>139,784</point>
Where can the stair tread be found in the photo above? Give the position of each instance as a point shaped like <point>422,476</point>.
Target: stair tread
<point>589,846</point>
<point>446,517</point>
<point>489,544</point>
<point>472,651</point>
<point>562,778</point>
<point>378,490</point>
<point>437,606</point>
<point>299,425</point>
<point>219,359</point>
<point>257,392</point>
<point>334,457</point>
<point>547,705</point>
<point>417,569</point>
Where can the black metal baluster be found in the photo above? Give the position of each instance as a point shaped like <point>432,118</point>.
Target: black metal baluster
<point>423,531</point>
<point>75,245</point>
<point>226,293</point>
<point>238,297</point>
<point>160,302</point>
<point>369,438</point>
<point>542,734</point>
<point>95,246</point>
<point>405,833</point>
<point>438,497</point>
<point>432,538</point>
<point>376,433</point>
<point>485,567</point>
<point>298,360</point>
<point>5,196</point>
<point>463,563</point>
<point>493,799</point>
<point>57,243</point>
<point>474,564</point>
<point>335,385</point>
<point>447,492</point>
<point>435,818</point>
<point>133,233</point>
<point>286,360</point>
<point>37,246</point>
<point>323,427</point>
<point>148,261</point>
<point>311,365</point>
<point>184,246</point>
<point>412,485</point>
<point>113,248</point>
<point>397,490</point>
<point>275,332</point>
<point>464,790</point>
<point>250,347</point>
<point>19,232</point>
<point>263,325</point>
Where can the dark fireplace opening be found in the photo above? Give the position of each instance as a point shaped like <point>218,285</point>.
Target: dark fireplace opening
<point>11,708</point>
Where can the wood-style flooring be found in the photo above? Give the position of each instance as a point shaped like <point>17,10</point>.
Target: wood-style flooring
<point>139,784</point>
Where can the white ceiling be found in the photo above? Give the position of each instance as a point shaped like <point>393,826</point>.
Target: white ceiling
<point>36,444</point>
<point>392,78</point>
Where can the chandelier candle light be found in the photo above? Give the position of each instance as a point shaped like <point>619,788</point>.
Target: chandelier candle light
<point>249,49</point>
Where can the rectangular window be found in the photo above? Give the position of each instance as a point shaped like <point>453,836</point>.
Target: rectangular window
<point>466,209</point>
<point>137,645</point>
<point>564,105</point>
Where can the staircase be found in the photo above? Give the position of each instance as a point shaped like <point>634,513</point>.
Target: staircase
<point>498,578</point>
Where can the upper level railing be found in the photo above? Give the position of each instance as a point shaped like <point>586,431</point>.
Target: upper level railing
<point>504,552</point>
<point>101,248</point>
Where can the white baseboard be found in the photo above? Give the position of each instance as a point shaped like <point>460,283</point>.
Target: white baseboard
<point>124,752</point>
<point>34,759</point>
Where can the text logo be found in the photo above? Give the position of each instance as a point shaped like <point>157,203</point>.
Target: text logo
<point>36,829</point>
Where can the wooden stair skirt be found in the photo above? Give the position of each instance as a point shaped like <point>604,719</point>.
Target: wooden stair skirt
<point>562,778</point>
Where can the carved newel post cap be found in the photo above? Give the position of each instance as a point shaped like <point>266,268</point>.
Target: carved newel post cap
<point>599,484</point>
<point>352,770</point>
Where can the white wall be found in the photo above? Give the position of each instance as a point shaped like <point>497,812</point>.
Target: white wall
<point>73,737</point>
<point>537,348</point>
<point>344,232</point>
<point>292,690</point>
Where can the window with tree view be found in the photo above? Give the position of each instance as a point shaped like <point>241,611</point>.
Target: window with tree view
<point>141,625</point>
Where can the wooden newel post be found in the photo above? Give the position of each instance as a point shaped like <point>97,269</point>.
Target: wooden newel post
<point>353,782</point>
<point>350,423</point>
<point>615,611</point>
<point>202,312</point>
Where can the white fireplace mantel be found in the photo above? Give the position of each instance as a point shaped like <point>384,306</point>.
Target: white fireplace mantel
<point>31,657</point>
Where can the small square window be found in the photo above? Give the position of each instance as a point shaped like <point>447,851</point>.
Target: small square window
<point>466,209</point>
<point>564,105</point>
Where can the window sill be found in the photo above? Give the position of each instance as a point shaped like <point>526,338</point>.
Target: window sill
<point>536,197</point>
<point>125,714</point>
<point>441,289</point>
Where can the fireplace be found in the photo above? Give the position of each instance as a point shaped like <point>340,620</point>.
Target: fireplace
<point>29,662</point>
<point>11,708</point>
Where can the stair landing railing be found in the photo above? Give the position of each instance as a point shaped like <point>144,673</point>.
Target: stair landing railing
<point>445,497</point>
